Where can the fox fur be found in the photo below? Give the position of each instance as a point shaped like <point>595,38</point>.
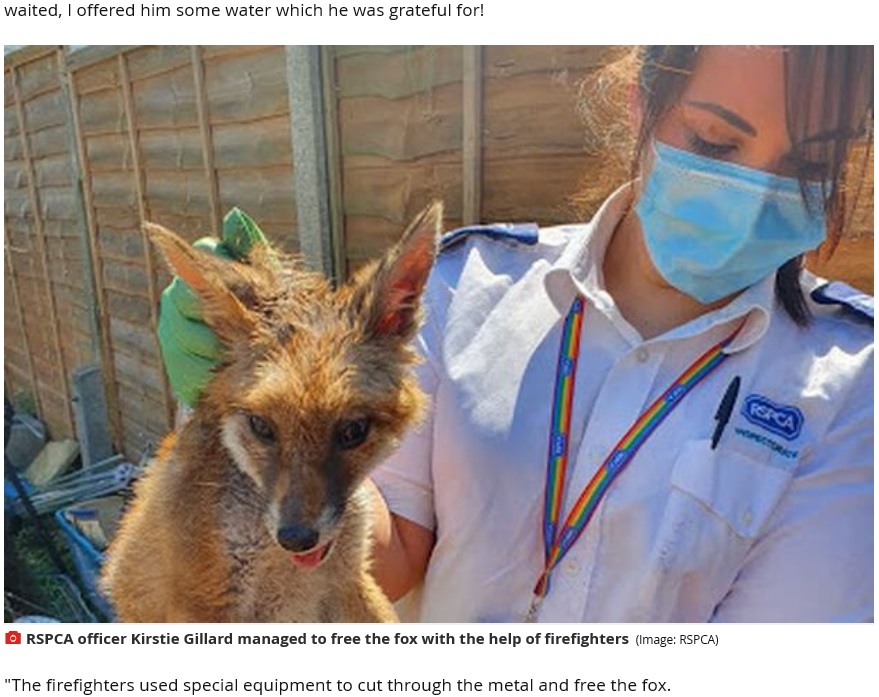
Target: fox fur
<point>254,509</point>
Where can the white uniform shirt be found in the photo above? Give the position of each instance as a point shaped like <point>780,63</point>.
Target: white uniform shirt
<point>775,524</point>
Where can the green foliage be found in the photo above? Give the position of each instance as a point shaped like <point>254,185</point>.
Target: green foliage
<point>33,584</point>
<point>24,402</point>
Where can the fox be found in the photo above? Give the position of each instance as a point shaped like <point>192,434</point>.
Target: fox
<point>255,509</point>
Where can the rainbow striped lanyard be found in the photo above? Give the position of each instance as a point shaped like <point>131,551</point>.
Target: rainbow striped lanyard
<point>557,542</point>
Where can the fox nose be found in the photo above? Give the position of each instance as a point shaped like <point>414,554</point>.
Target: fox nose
<point>297,538</point>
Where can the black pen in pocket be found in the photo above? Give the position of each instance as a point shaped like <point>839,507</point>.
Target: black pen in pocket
<point>725,410</point>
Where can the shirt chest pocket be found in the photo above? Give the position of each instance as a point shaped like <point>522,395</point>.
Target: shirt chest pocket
<point>719,503</point>
<point>737,491</point>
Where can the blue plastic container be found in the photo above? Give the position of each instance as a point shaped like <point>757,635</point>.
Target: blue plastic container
<point>99,515</point>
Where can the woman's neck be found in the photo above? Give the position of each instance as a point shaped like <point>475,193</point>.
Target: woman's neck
<point>642,295</point>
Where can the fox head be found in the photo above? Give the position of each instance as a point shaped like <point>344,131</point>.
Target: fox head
<point>315,385</point>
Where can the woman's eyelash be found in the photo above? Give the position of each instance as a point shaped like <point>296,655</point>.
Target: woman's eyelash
<point>708,148</point>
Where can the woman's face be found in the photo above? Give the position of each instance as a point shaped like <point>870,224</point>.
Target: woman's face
<point>733,109</point>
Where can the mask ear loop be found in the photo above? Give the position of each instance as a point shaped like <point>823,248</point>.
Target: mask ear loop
<point>646,164</point>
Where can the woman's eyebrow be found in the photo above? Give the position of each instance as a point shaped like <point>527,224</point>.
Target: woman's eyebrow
<point>731,118</point>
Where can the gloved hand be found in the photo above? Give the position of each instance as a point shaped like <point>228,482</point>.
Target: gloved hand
<point>189,347</point>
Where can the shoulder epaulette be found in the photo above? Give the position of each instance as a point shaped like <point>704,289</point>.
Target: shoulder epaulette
<point>523,233</point>
<point>839,293</point>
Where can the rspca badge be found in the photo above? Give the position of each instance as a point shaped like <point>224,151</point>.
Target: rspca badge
<point>784,421</point>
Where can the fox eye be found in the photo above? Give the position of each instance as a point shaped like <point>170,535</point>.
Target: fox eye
<point>350,434</point>
<point>261,428</point>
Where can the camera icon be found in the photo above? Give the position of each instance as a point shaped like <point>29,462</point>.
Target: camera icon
<point>13,637</point>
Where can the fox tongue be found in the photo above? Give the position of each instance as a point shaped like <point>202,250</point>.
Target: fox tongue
<point>311,558</point>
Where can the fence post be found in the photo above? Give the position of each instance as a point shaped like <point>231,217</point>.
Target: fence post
<point>471,150</point>
<point>315,177</point>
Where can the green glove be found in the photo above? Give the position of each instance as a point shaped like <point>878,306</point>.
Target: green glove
<point>190,349</point>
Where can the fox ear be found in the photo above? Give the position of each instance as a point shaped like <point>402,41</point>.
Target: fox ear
<point>209,277</point>
<point>390,292</point>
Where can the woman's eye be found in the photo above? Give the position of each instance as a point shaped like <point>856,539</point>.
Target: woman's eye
<point>350,434</point>
<point>261,428</point>
<point>709,148</point>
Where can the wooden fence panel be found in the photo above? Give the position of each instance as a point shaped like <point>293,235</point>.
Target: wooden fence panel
<point>401,123</point>
<point>48,271</point>
<point>400,136</point>
<point>112,200</point>
<point>248,116</point>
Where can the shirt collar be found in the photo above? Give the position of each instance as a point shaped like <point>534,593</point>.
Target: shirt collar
<point>579,270</point>
<point>579,267</point>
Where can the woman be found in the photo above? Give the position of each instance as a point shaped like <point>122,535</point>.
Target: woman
<point>647,418</point>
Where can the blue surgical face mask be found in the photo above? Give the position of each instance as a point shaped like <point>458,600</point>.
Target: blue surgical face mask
<point>713,228</point>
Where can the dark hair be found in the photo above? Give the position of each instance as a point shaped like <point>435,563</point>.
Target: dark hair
<point>843,106</point>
